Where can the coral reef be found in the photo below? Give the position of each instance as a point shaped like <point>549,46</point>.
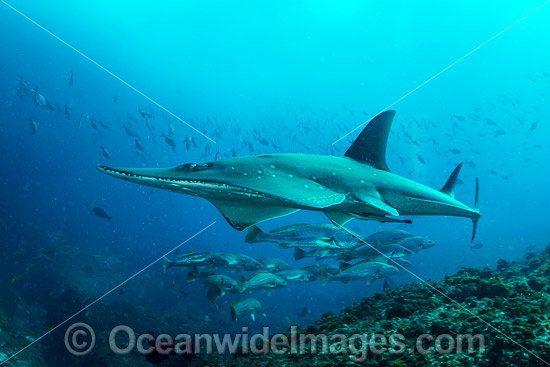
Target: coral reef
<point>509,306</point>
<point>11,342</point>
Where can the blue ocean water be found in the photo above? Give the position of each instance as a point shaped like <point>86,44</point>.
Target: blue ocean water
<point>260,77</point>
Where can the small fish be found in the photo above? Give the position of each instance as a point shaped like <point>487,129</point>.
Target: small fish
<point>296,275</point>
<point>218,284</point>
<point>101,213</point>
<point>71,79</point>
<point>246,306</point>
<point>129,131</point>
<point>416,243</point>
<point>144,114</point>
<point>273,265</point>
<point>306,235</point>
<point>205,258</point>
<point>477,246</point>
<point>50,106</point>
<point>93,124</point>
<point>387,237</point>
<point>79,122</point>
<point>33,126</point>
<point>105,153</point>
<point>455,151</point>
<point>239,262</point>
<point>28,331</point>
<point>304,312</point>
<point>104,125</point>
<point>250,146</point>
<point>534,126</point>
<point>170,142</point>
<point>373,252</point>
<point>318,253</point>
<point>490,122</point>
<point>171,130</point>
<point>420,158</point>
<point>67,113</point>
<point>23,89</point>
<point>317,268</point>
<point>266,281</point>
<point>400,262</point>
<point>115,99</point>
<point>369,270</point>
<point>139,147</point>
<point>39,99</point>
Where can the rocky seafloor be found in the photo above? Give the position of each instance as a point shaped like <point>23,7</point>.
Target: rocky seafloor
<point>508,305</point>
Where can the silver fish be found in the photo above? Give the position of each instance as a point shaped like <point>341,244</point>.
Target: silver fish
<point>33,126</point>
<point>273,265</point>
<point>296,275</point>
<point>206,258</point>
<point>239,261</point>
<point>386,237</point>
<point>306,235</point>
<point>265,280</point>
<point>368,270</point>
<point>416,243</point>
<point>246,306</point>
